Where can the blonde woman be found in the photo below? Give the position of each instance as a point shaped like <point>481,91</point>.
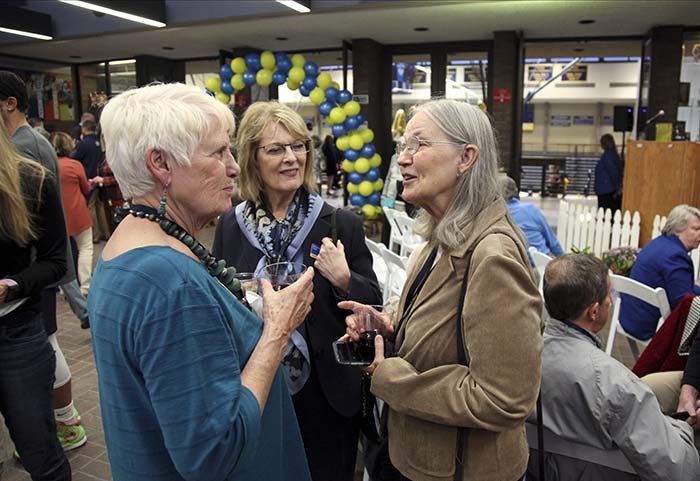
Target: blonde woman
<point>33,246</point>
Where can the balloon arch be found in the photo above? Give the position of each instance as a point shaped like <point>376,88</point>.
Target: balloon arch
<point>361,162</point>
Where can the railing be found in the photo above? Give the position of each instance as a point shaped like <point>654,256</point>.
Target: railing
<point>566,149</point>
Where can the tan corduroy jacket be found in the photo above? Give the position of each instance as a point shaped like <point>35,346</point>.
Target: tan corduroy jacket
<point>429,394</point>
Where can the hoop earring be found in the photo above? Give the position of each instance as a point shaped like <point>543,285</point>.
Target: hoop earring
<point>163,200</point>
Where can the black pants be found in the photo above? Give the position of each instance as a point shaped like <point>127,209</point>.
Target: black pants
<point>610,201</point>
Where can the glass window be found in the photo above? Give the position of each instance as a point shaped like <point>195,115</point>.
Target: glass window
<point>122,75</point>
<point>689,102</point>
<point>92,81</point>
<point>466,77</point>
<point>410,85</point>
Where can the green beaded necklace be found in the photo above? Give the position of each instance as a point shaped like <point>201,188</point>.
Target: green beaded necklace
<point>216,268</point>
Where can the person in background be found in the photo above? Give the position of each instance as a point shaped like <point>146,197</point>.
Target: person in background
<point>108,188</point>
<point>443,408</point>
<point>38,125</point>
<point>74,188</point>
<point>530,219</point>
<point>283,220</point>
<point>332,155</point>
<point>76,130</point>
<point>608,176</point>
<point>13,94</point>
<point>191,386</point>
<point>663,262</point>
<point>33,248</point>
<point>590,398</point>
<point>319,161</point>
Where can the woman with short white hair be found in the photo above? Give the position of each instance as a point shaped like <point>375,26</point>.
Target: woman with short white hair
<point>190,381</point>
<point>467,367</point>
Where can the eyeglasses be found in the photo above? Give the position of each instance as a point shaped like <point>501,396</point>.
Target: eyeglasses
<point>299,147</point>
<point>413,144</point>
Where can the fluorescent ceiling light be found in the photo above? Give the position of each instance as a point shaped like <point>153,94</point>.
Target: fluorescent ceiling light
<point>294,5</point>
<point>116,13</point>
<point>122,62</point>
<point>25,34</point>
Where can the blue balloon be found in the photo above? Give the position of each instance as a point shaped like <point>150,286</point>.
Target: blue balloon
<point>332,94</point>
<point>351,123</point>
<point>357,200</point>
<point>278,56</point>
<point>344,96</point>
<point>375,198</point>
<point>248,78</point>
<point>311,68</point>
<point>360,119</point>
<point>278,78</point>
<point>352,155</point>
<point>372,175</point>
<point>283,64</point>
<point>368,150</point>
<point>338,130</point>
<point>226,87</point>
<point>209,93</point>
<point>325,108</point>
<point>225,72</point>
<point>304,91</point>
<point>354,178</point>
<point>252,61</point>
<point>309,83</point>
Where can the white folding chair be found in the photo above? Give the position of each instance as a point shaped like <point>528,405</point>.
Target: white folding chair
<point>396,235</point>
<point>378,264</point>
<point>541,260</point>
<point>409,240</point>
<point>396,274</point>
<point>655,297</point>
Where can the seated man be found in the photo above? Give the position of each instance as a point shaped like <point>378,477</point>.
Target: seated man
<point>589,397</point>
<point>663,262</point>
<point>530,219</point>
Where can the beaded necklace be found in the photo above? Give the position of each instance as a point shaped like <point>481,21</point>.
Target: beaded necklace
<point>216,268</point>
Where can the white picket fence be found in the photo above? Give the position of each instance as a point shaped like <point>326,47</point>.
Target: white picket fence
<point>582,226</point>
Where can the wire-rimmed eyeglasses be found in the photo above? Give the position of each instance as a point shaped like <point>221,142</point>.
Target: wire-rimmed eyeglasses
<point>276,149</point>
<point>413,144</point>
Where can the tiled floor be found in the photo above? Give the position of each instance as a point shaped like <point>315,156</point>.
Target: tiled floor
<point>90,462</point>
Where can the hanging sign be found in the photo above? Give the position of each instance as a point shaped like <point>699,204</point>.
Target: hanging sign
<point>502,96</point>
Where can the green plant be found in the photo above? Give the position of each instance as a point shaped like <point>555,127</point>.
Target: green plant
<point>620,260</point>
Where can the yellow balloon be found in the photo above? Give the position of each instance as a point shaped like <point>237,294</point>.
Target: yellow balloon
<point>267,60</point>
<point>367,135</point>
<point>214,84</point>
<point>338,115</point>
<point>348,167</point>
<point>378,185</point>
<point>238,65</point>
<point>378,209</point>
<point>366,187</point>
<point>352,188</point>
<point>263,77</point>
<point>298,60</point>
<point>369,211</point>
<point>375,161</point>
<point>297,74</point>
<point>223,98</point>
<point>324,80</point>
<point>356,141</point>
<point>292,85</point>
<point>336,85</point>
<point>317,96</point>
<point>343,143</point>
<point>352,108</point>
<point>237,82</point>
<point>361,167</point>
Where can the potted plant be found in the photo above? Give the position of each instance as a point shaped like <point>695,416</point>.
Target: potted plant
<point>620,260</point>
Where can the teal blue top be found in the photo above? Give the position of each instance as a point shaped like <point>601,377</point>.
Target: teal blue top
<point>170,343</point>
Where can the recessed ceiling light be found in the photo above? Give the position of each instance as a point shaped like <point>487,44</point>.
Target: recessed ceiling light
<point>578,50</point>
<point>281,39</point>
<point>421,29</point>
<point>586,22</point>
<point>75,56</point>
<point>168,48</point>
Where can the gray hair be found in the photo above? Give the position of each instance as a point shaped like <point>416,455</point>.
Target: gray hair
<point>476,188</point>
<point>508,187</point>
<point>573,282</point>
<point>679,218</point>
<point>173,118</point>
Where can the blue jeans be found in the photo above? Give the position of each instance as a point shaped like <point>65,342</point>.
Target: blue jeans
<point>27,364</point>
<point>76,299</point>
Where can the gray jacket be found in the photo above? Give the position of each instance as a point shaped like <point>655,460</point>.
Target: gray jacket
<point>590,398</point>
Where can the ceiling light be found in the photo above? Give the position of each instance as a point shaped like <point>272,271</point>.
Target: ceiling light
<point>75,56</point>
<point>421,29</point>
<point>586,22</point>
<point>281,39</point>
<point>25,34</point>
<point>300,6</point>
<point>116,13</point>
<point>122,62</point>
<point>167,48</point>
<point>578,50</point>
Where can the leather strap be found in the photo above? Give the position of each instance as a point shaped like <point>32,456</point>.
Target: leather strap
<point>462,357</point>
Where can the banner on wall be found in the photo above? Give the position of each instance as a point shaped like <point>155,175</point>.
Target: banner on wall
<point>560,121</point>
<point>538,73</point>
<point>403,77</point>
<point>452,73</point>
<point>472,73</point>
<point>528,117</point>
<point>583,120</point>
<point>578,73</point>
<point>608,120</point>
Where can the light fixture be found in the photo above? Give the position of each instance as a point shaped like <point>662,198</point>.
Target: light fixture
<point>300,6</point>
<point>118,13</point>
<point>421,29</point>
<point>27,23</point>
<point>586,22</point>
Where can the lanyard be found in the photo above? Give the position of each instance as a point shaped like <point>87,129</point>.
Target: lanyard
<point>416,287</point>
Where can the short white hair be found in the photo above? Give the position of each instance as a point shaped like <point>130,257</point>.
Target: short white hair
<point>679,218</point>
<point>173,118</point>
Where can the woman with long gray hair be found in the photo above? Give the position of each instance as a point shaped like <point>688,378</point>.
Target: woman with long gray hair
<point>466,371</point>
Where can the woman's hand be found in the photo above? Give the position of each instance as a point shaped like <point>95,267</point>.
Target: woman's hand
<point>284,310</point>
<point>332,265</point>
<point>96,180</point>
<point>378,353</point>
<point>689,401</point>
<point>356,323</point>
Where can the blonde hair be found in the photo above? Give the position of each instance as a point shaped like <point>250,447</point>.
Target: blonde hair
<point>173,118</point>
<point>18,176</point>
<point>62,143</point>
<point>256,119</point>
<point>398,128</point>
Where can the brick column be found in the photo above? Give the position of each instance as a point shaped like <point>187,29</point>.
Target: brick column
<point>506,73</point>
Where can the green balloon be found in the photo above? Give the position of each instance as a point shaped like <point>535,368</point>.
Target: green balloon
<point>267,60</point>
<point>263,77</point>
<point>324,80</point>
<point>223,98</point>
<point>337,115</point>
<point>375,161</point>
<point>352,108</point>
<point>297,74</point>
<point>356,142</point>
<point>238,65</point>
<point>214,84</point>
<point>237,82</point>
<point>317,96</point>
<point>366,187</point>
<point>369,211</point>
<point>378,185</point>
<point>362,166</point>
<point>298,60</point>
<point>343,143</point>
<point>292,85</point>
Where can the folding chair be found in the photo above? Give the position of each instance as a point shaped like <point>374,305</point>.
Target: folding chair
<point>396,274</point>
<point>378,264</point>
<point>409,240</point>
<point>541,260</point>
<point>396,234</point>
